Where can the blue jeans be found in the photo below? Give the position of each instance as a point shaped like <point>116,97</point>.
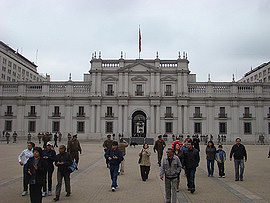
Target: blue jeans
<point>190,174</point>
<point>210,167</point>
<point>239,164</point>
<point>114,173</point>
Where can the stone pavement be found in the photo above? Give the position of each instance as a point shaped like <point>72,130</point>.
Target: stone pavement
<point>91,183</point>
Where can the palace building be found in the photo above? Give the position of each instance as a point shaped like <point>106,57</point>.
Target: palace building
<point>137,97</point>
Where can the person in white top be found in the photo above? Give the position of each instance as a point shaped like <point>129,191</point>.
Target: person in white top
<point>27,153</point>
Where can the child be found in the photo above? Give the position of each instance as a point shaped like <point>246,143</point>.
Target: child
<point>220,158</point>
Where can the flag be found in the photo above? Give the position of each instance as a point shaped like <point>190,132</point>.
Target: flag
<point>140,41</point>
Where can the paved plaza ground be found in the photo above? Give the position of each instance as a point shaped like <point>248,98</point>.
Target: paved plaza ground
<point>91,183</point>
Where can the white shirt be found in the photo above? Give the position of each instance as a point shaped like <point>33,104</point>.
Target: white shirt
<point>27,154</point>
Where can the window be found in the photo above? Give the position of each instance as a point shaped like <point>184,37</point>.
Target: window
<point>255,77</point>
<point>4,68</point>
<point>109,111</point>
<point>168,127</point>
<point>13,80</point>
<point>197,128</point>
<point>168,90</point>
<point>32,110</point>
<point>264,72</point>
<point>222,110</point>
<point>222,128</point>
<point>23,71</point>
<point>80,127</point>
<point>251,79</point>
<point>268,70</point>
<point>260,75</point>
<point>246,110</point>
<point>197,113</point>
<point>247,80</point>
<point>14,66</point>
<point>9,63</point>
<point>110,90</point>
<point>9,71</point>
<point>19,68</point>
<point>8,126</point>
<point>14,73</point>
<point>109,127</point>
<point>8,78</point>
<point>3,76</point>
<point>247,128</point>
<point>81,111</point>
<point>56,111</point>
<point>168,110</point>
<point>9,110</point>
<point>139,91</point>
<point>4,61</point>
<point>27,73</point>
<point>56,126</point>
<point>32,126</point>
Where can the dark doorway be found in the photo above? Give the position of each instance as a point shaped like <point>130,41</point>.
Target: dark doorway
<point>138,124</point>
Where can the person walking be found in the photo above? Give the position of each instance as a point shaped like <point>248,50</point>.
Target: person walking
<point>179,153</point>
<point>45,139</point>
<point>191,161</point>
<point>26,154</point>
<point>210,157</point>
<point>60,136</point>
<point>159,147</point>
<point>170,168</point>
<point>114,157</point>
<point>196,142</point>
<point>74,148</point>
<point>55,137</point>
<point>15,136</point>
<point>7,137</point>
<point>239,153</point>
<point>220,158</point>
<point>29,137</point>
<point>36,168</point>
<point>107,145</point>
<point>39,137</point>
<point>49,156</point>
<point>69,137</point>
<point>144,162</point>
<point>122,147</point>
<point>62,161</point>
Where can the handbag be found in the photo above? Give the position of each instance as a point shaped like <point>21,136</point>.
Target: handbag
<point>72,167</point>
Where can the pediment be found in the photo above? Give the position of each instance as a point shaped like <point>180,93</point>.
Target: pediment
<point>139,78</point>
<point>168,78</point>
<point>139,67</point>
<point>110,78</point>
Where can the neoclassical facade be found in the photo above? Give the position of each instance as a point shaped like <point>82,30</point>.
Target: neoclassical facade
<point>143,97</point>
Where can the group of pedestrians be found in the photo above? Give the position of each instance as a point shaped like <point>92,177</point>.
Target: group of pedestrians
<point>38,167</point>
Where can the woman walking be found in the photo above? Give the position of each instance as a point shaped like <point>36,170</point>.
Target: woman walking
<point>179,153</point>
<point>144,162</point>
<point>210,157</point>
<point>36,167</point>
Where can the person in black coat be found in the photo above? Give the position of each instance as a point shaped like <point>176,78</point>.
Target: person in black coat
<point>36,167</point>
<point>196,142</point>
<point>210,151</point>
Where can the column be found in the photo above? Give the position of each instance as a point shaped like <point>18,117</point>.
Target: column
<point>152,120</point>
<point>92,119</point>
<point>178,84</point>
<point>179,121</point>
<point>68,119</point>
<point>158,83</point>
<point>43,118</point>
<point>93,83</point>
<point>126,84</point>
<point>99,83</point>
<point>120,119</point>
<point>20,120</point>
<point>98,119</point>
<point>236,124</point>
<point>120,84</point>
<point>125,119</point>
<point>185,120</point>
<point>158,120</point>
<point>152,86</point>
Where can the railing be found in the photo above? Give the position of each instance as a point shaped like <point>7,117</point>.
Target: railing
<point>33,88</point>
<point>168,115</point>
<point>168,93</point>
<point>245,89</point>
<point>197,115</point>
<point>109,93</point>
<point>109,115</point>
<point>247,115</point>
<point>10,88</point>
<point>139,93</point>
<point>197,89</point>
<point>32,114</point>
<point>57,88</point>
<point>81,88</point>
<point>168,65</point>
<point>80,114</point>
<point>8,113</point>
<point>222,89</point>
<point>116,64</point>
<point>56,114</point>
<point>222,115</point>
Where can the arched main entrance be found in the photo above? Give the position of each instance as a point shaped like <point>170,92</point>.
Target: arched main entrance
<point>138,124</point>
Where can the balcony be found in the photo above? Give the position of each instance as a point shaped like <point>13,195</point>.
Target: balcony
<point>168,93</point>
<point>109,93</point>
<point>222,115</point>
<point>247,115</point>
<point>138,93</point>
<point>56,114</point>
<point>81,115</point>
<point>32,114</point>
<point>109,115</point>
<point>168,115</point>
<point>268,115</point>
<point>197,115</point>
<point>8,113</point>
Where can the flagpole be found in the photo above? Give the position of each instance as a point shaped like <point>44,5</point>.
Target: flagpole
<point>139,42</point>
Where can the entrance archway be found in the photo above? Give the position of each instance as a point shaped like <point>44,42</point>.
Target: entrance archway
<point>139,124</point>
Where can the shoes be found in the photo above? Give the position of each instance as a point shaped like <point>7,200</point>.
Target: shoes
<point>236,179</point>
<point>220,176</point>
<point>68,194</point>
<point>24,193</point>
<point>189,189</point>
<point>116,187</point>
<point>223,176</point>
<point>49,193</point>
<point>241,179</point>
<point>192,190</point>
<point>177,190</point>
<point>113,189</point>
<point>43,194</point>
<point>56,198</point>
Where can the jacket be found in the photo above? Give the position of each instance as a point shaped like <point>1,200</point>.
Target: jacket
<point>191,158</point>
<point>145,161</point>
<point>114,152</point>
<point>159,145</point>
<point>51,154</point>
<point>170,171</point>
<point>63,157</point>
<point>220,156</point>
<point>74,146</point>
<point>210,153</point>
<point>238,152</point>
<point>107,144</point>
<point>37,176</point>
<point>196,143</point>
<point>122,147</point>
<point>179,155</point>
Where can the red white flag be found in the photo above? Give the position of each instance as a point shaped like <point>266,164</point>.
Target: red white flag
<point>140,41</point>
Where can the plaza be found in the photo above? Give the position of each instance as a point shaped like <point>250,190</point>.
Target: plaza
<point>91,183</point>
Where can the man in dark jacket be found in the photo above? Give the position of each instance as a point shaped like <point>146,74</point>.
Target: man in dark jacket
<point>49,156</point>
<point>55,137</point>
<point>74,148</point>
<point>159,147</point>
<point>107,145</point>
<point>62,161</point>
<point>196,142</point>
<point>114,157</point>
<point>191,162</point>
<point>238,152</point>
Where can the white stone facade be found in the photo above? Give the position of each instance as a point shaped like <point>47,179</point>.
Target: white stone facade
<point>137,96</point>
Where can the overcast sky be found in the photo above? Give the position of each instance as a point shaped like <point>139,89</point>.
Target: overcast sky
<point>221,37</point>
